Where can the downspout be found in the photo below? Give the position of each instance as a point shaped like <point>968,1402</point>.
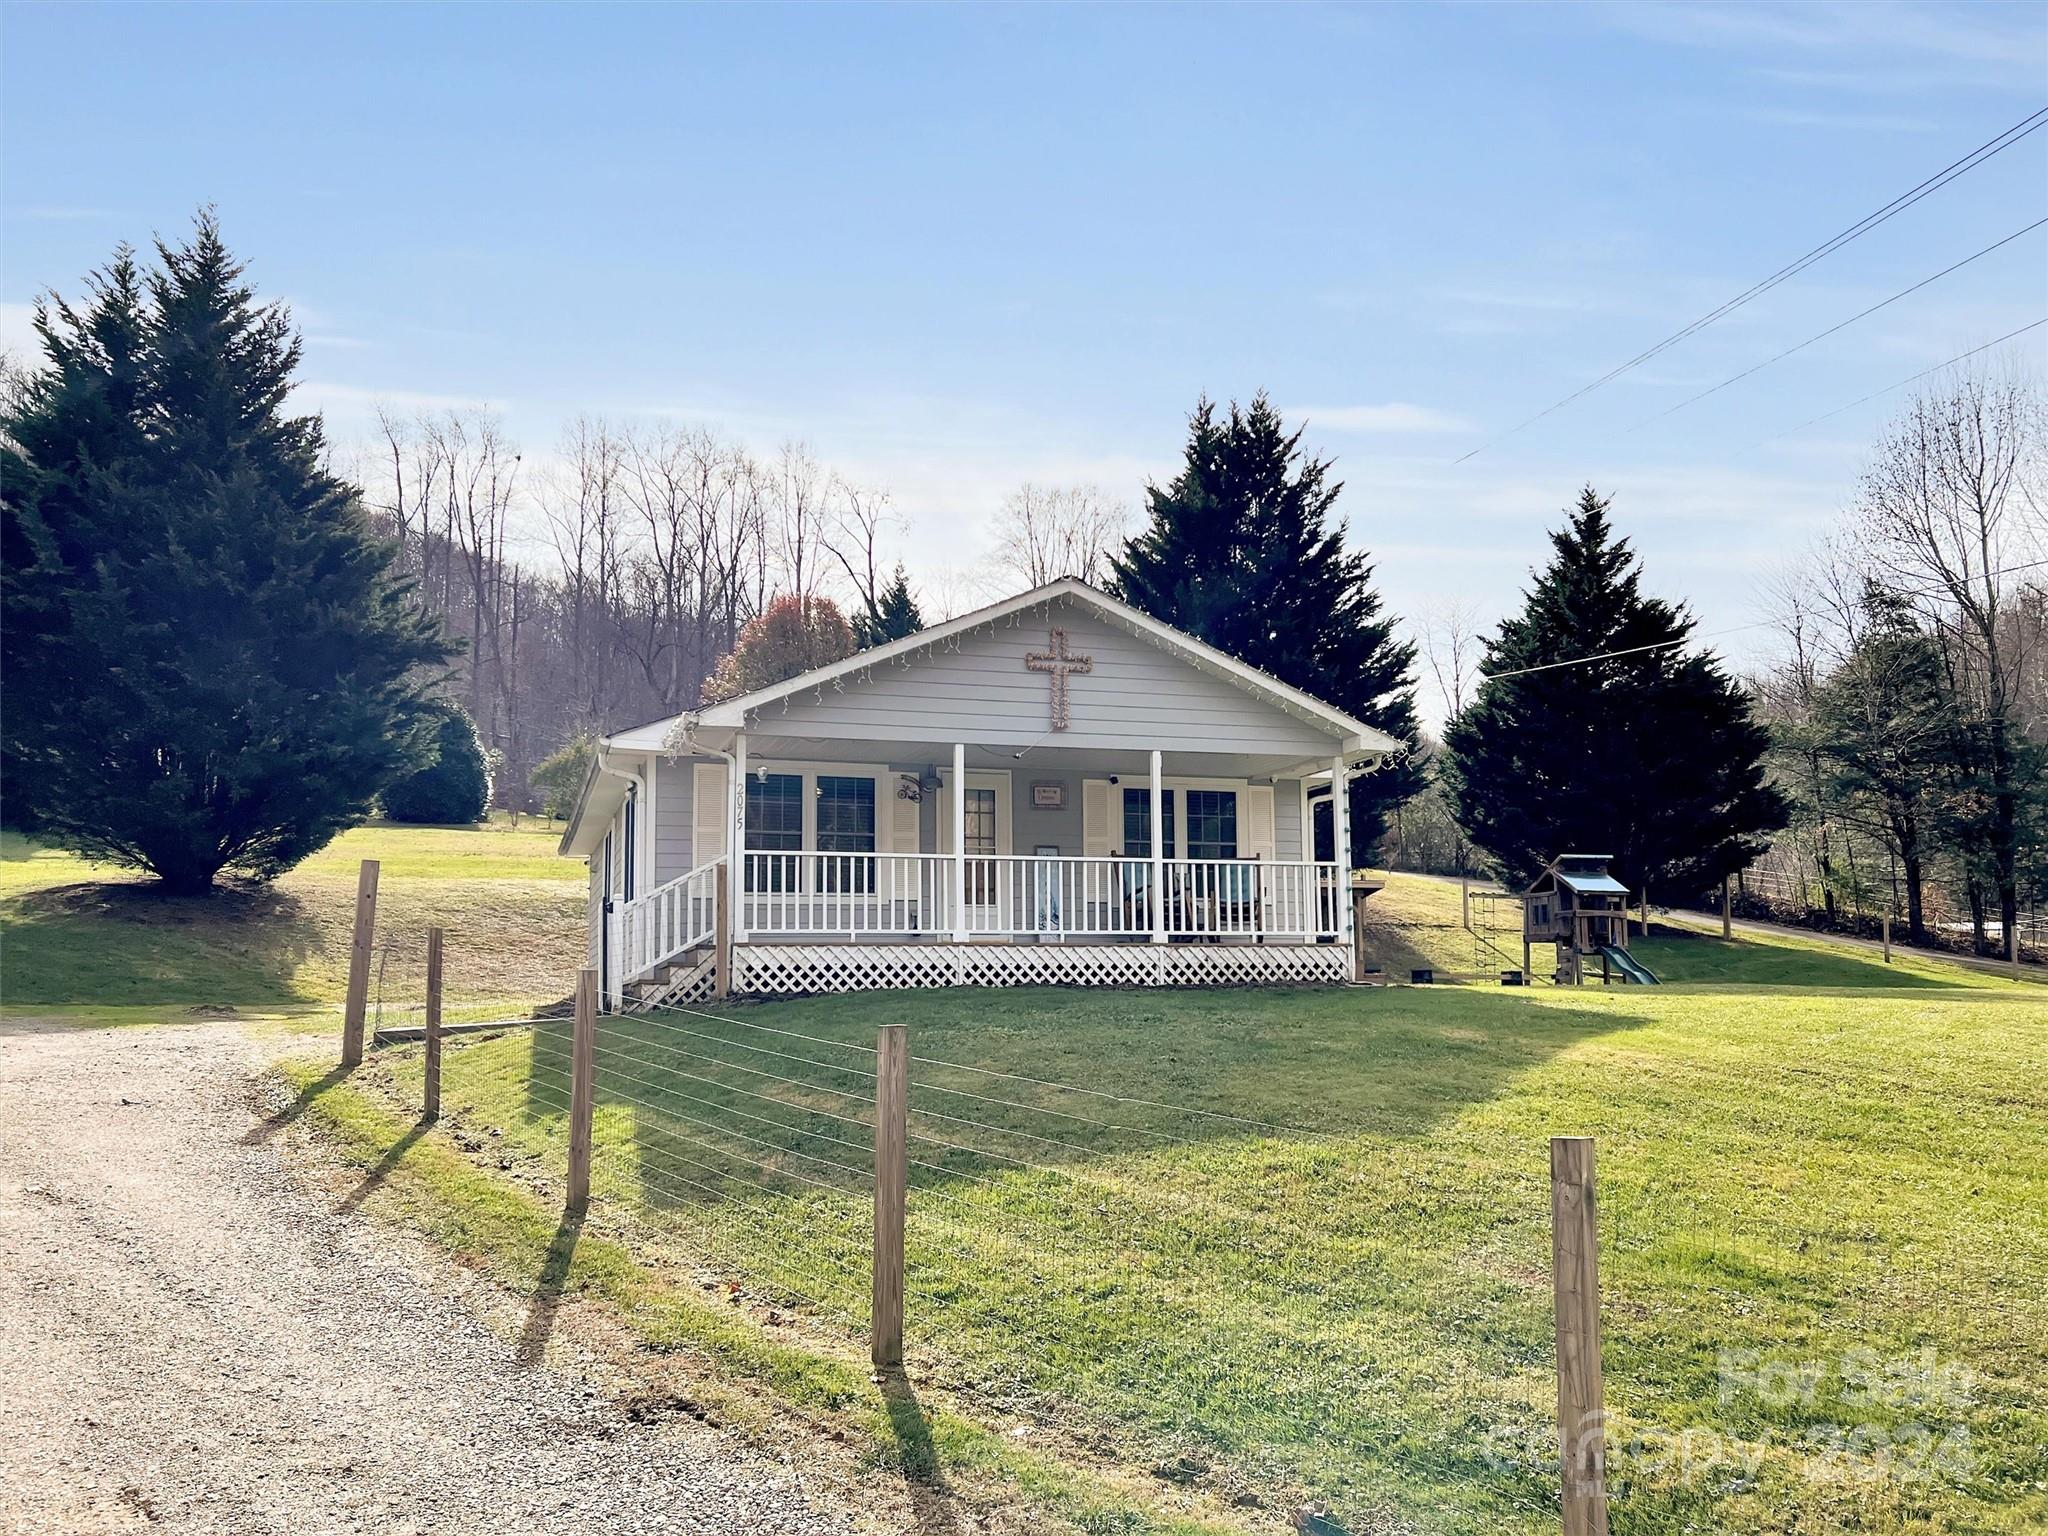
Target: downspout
<point>685,736</point>
<point>613,990</point>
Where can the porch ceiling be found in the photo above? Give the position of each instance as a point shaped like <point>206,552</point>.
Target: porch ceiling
<point>1040,759</point>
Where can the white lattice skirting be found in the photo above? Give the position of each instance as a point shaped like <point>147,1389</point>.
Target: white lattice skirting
<point>695,985</point>
<point>778,970</point>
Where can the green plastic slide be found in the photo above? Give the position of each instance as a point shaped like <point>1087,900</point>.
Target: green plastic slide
<point>1631,969</point>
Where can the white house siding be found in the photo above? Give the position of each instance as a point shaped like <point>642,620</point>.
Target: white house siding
<point>1135,696</point>
<point>1287,819</point>
<point>674,791</point>
<point>1033,828</point>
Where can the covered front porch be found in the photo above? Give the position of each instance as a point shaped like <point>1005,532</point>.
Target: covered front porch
<point>956,849</point>
<point>1056,787</point>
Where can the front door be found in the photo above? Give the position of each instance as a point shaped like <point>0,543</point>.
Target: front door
<point>982,814</point>
<point>992,903</point>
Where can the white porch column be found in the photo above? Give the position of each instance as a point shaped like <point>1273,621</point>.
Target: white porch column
<point>736,838</point>
<point>1340,846</point>
<point>1158,853</point>
<point>960,842</point>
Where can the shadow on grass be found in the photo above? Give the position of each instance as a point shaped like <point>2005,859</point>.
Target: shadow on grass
<point>931,1503</point>
<point>548,1287</point>
<point>302,1101</point>
<point>127,942</point>
<point>714,1110</point>
<point>381,1169</point>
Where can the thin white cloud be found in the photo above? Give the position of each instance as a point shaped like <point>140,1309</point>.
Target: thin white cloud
<point>1993,46</point>
<point>1395,417</point>
<point>1850,122</point>
<point>18,337</point>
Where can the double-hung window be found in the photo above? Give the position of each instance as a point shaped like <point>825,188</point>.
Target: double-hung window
<point>1212,823</point>
<point>846,824</point>
<point>1138,823</point>
<point>775,827</point>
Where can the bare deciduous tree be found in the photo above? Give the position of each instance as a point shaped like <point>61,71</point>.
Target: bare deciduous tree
<point>1047,532</point>
<point>1952,515</point>
<point>1451,647</point>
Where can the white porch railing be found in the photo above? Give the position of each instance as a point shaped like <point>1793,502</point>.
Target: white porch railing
<point>668,921</point>
<point>911,895</point>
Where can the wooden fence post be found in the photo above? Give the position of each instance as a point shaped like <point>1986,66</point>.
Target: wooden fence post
<point>1358,900</point>
<point>431,1109</point>
<point>721,935</point>
<point>1581,1407</point>
<point>1887,938</point>
<point>359,964</point>
<point>1465,901</point>
<point>892,1109</point>
<point>582,1088</point>
<point>1727,911</point>
<point>2012,943</point>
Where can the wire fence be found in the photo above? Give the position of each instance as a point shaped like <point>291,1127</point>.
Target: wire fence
<point>478,986</point>
<point>1302,1309</point>
<point>1793,1330</point>
<point>1784,887</point>
<point>1185,1286</point>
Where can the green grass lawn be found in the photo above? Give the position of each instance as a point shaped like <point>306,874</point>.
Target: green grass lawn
<point>96,941</point>
<point>1824,1196</point>
<point>1820,1177</point>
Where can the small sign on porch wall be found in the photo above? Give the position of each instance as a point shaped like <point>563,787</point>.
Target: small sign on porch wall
<point>1049,795</point>
<point>1056,661</point>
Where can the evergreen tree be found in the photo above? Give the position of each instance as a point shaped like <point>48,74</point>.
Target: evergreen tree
<point>1884,727</point>
<point>1645,753</point>
<point>209,665</point>
<point>454,788</point>
<point>890,616</point>
<point>1241,550</point>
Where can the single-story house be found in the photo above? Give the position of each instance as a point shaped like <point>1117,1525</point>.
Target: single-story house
<point>1054,788</point>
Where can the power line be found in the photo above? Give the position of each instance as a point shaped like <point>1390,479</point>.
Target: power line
<point>1736,629</point>
<point>1633,650</point>
<point>1909,379</point>
<point>1802,346</point>
<point>1863,226</point>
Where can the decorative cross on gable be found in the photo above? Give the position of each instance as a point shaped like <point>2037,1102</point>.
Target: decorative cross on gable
<point>1059,664</point>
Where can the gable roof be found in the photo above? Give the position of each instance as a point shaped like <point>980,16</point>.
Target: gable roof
<point>1584,873</point>
<point>733,713</point>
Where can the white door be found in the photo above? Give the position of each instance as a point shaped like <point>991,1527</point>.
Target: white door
<point>981,816</point>
<point>991,878</point>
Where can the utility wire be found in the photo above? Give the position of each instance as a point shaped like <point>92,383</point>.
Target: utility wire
<point>1633,650</point>
<point>1909,379</point>
<point>1736,378</point>
<point>1665,645</point>
<point>1863,226</point>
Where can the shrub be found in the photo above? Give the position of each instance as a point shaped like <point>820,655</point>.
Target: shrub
<point>455,787</point>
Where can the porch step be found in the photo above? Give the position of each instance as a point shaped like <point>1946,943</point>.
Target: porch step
<point>687,978</point>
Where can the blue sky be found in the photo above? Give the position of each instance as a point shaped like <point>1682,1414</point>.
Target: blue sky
<point>954,249</point>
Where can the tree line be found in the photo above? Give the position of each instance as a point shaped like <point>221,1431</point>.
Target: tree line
<point>1909,709</point>
<point>220,651</point>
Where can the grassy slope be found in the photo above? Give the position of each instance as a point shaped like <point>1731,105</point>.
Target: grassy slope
<point>76,936</point>
<point>1803,1153</point>
<point>1361,1313</point>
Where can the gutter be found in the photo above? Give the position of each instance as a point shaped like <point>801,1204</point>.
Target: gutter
<point>599,767</point>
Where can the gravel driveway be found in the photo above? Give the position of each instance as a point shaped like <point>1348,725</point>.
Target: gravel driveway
<point>192,1339</point>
